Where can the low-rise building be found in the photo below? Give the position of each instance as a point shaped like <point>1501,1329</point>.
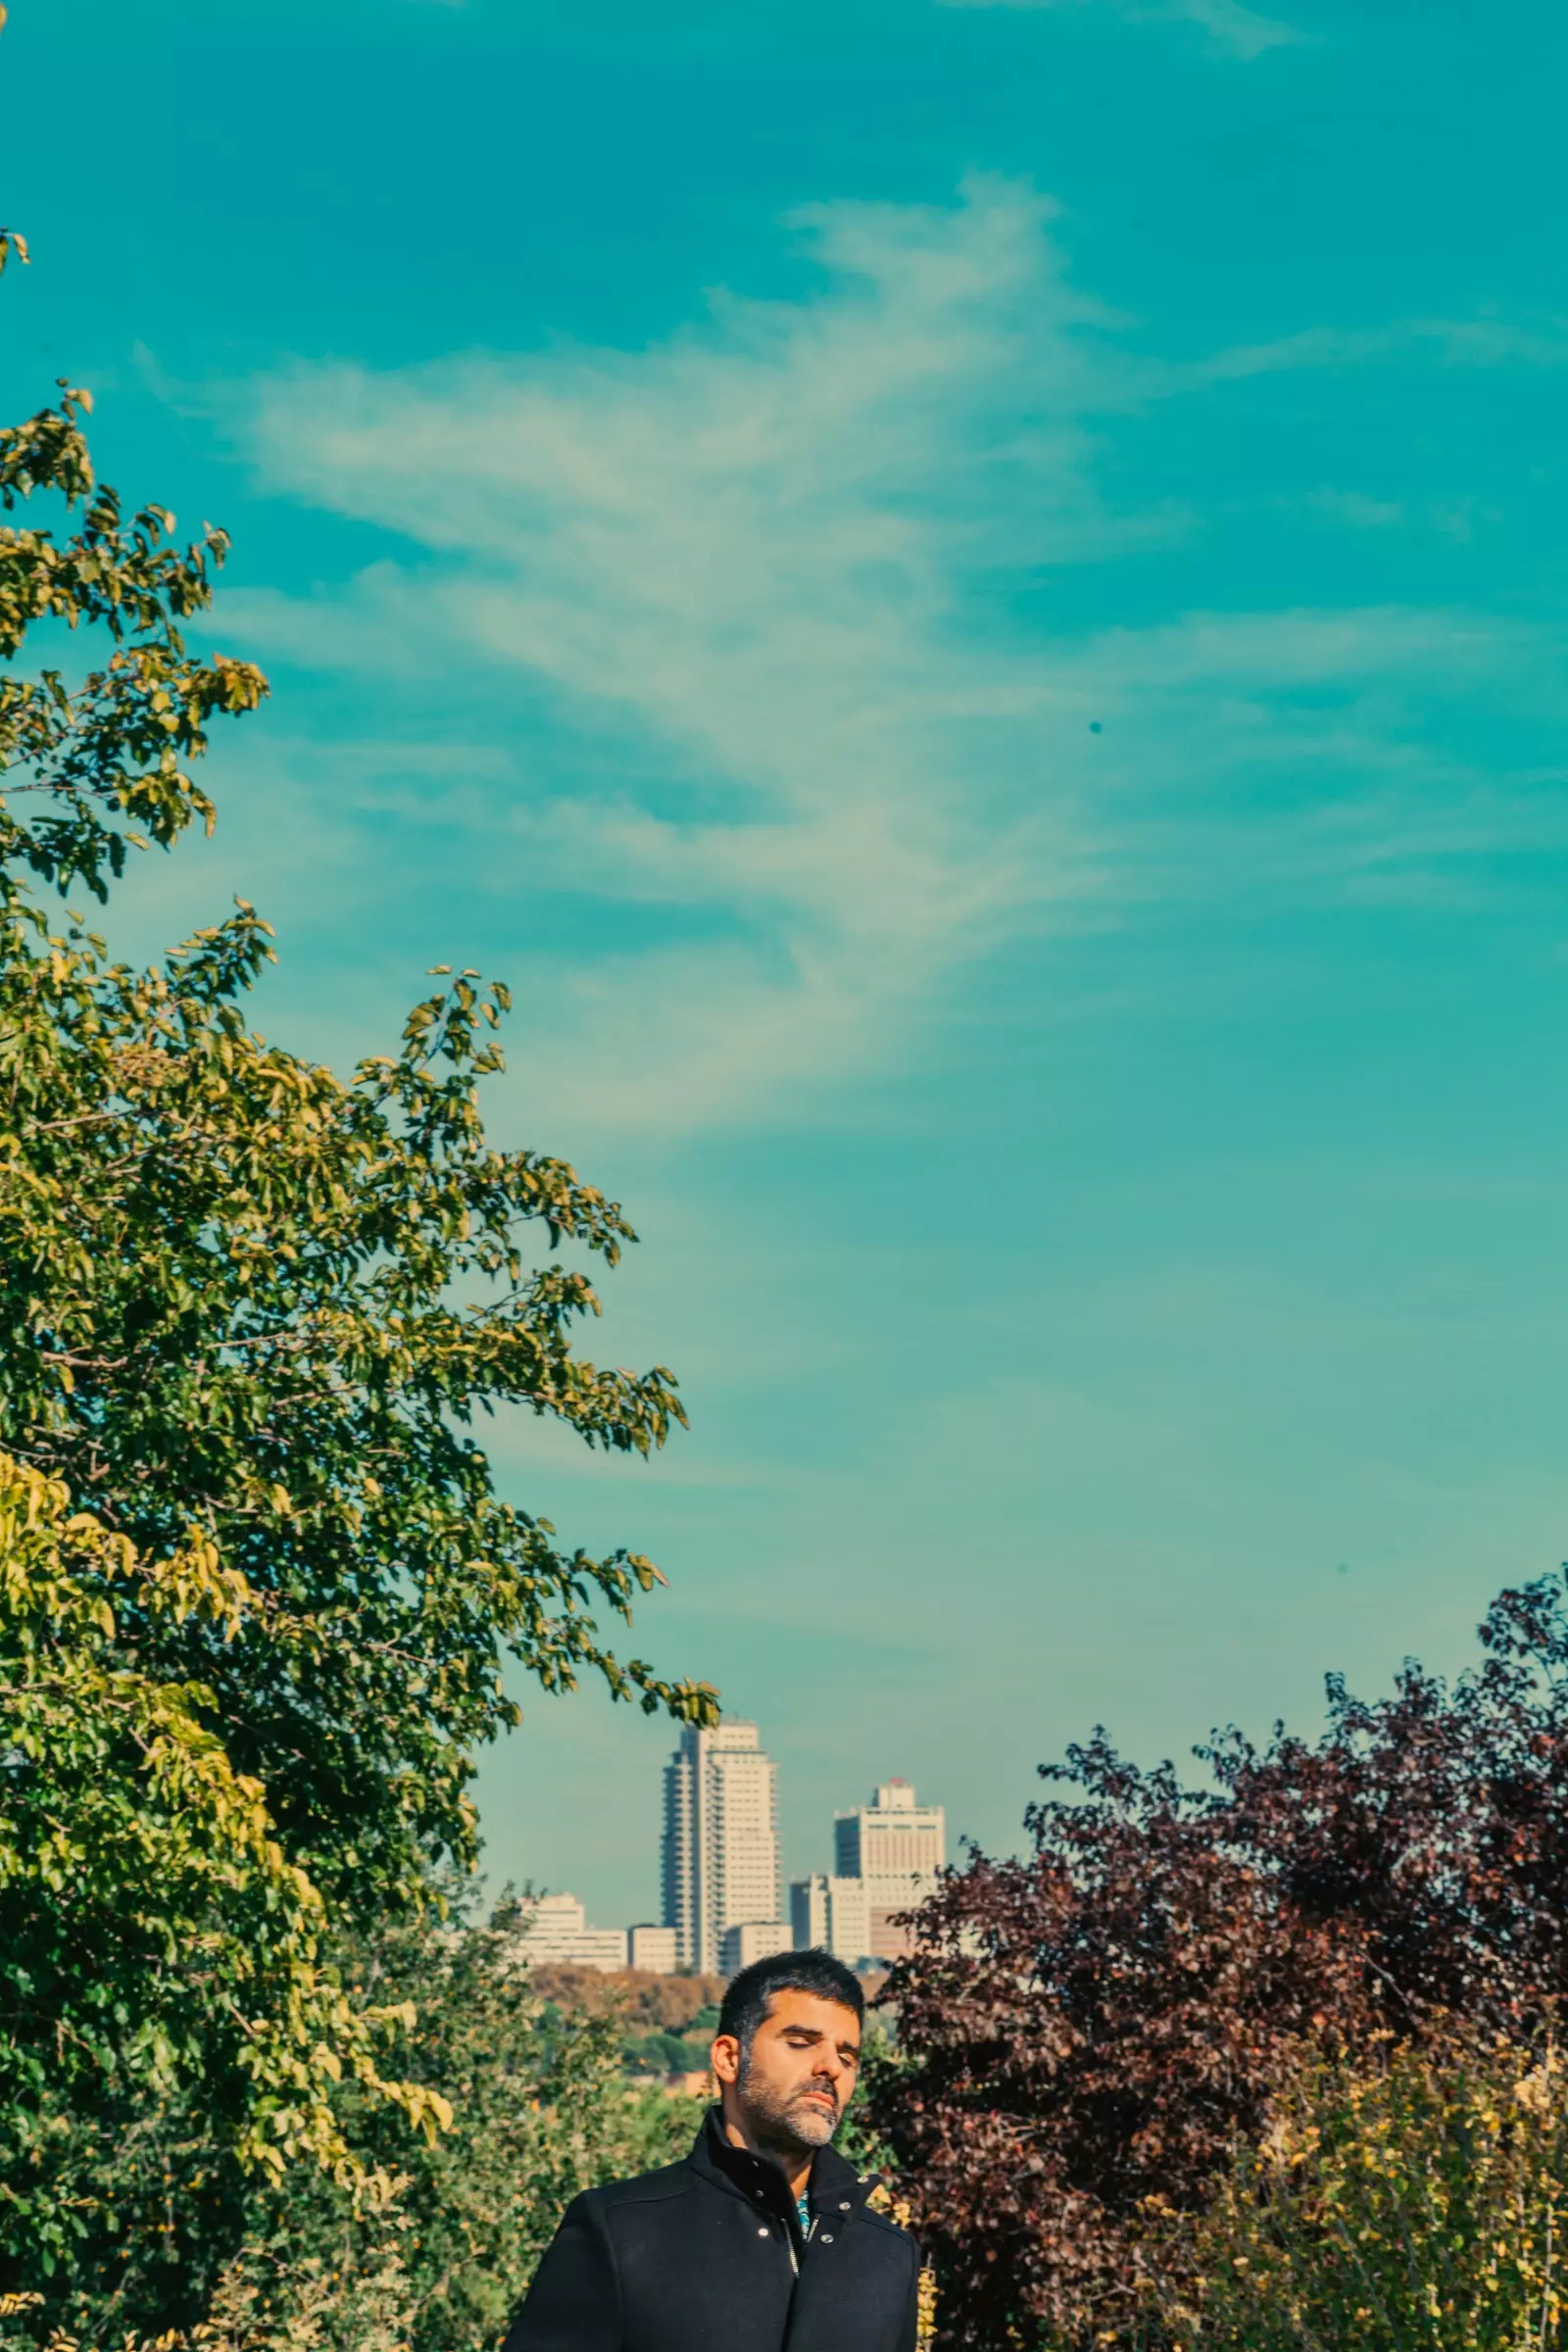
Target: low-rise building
<point>753,1940</point>
<point>556,1928</point>
<point>652,1949</point>
<point>832,1914</point>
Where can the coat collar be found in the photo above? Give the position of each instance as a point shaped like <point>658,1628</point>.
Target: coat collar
<point>836,2187</point>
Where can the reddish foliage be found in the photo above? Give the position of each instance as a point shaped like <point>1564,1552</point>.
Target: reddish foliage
<point>1096,2022</point>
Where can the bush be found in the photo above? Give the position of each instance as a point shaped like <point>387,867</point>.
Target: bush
<point>1413,2204</point>
<point>1099,2022</point>
<point>665,2054</point>
<point>438,2255</point>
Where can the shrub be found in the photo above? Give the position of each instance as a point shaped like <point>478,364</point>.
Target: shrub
<point>1099,2021</point>
<point>436,2261</point>
<point>1400,2207</point>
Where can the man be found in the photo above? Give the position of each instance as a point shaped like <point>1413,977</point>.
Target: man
<point>761,2240</point>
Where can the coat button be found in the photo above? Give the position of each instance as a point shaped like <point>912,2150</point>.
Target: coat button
<point>827,2237</point>
<point>761,2234</point>
<point>844,2206</point>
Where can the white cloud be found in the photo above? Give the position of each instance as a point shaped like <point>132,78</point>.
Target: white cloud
<point>768,562</point>
<point>1240,31</point>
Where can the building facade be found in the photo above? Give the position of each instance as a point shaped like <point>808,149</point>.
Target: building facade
<point>652,1949</point>
<point>751,1940</point>
<point>556,1928</point>
<point>832,1914</point>
<point>720,1858</point>
<point>896,1848</point>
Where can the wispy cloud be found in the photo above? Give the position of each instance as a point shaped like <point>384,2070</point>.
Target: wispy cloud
<point>1357,511</point>
<point>1238,32</point>
<point>746,546</point>
<point>1453,342</point>
<point>765,568</point>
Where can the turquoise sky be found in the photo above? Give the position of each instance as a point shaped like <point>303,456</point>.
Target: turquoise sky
<point>970,602</point>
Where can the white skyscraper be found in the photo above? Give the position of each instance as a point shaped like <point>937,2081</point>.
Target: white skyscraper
<point>720,1840</point>
<point>896,1848</point>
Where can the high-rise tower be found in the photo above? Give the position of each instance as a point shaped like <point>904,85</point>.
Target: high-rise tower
<point>898,1847</point>
<point>720,1840</point>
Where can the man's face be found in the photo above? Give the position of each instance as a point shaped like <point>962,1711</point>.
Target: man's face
<point>796,2079</point>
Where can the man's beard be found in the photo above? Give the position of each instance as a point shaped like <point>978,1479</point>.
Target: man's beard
<point>788,2119</point>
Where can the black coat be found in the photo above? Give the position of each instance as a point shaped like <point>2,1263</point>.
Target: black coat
<point>708,2256</point>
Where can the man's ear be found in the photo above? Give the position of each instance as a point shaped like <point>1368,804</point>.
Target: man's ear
<point>725,2057</point>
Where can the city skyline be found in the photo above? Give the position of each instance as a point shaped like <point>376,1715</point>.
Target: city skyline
<point>881,1857</point>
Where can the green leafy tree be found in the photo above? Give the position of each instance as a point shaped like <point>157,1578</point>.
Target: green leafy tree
<point>250,1307</point>
<point>157,1938</point>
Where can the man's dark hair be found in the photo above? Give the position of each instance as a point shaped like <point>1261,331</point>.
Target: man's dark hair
<point>747,1996</point>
